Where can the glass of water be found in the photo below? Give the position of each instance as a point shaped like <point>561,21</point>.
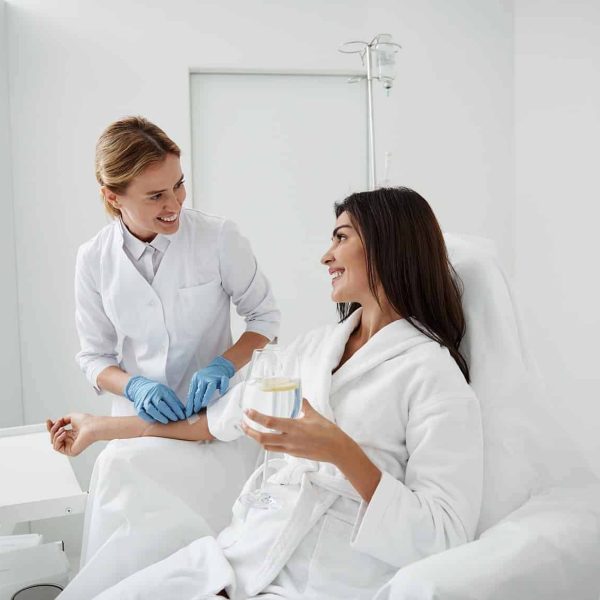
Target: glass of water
<point>273,388</point>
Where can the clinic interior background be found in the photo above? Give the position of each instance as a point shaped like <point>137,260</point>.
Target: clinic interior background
<point>494,118</point>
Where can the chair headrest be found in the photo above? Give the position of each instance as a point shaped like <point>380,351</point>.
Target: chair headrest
<point>525,447</point>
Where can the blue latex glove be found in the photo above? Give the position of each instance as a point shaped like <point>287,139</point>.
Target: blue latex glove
<point>206,382</point>
<point>153,401</point>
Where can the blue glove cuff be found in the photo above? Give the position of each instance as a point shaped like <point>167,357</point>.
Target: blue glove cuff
<point>223,363</point>
<point>133,385</point>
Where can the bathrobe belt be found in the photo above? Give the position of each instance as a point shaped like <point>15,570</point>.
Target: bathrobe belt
<point>318,491</point>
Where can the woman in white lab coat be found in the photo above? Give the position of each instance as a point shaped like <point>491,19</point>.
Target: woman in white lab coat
<point>384,466</point>
<point>153,288</point>
<point>153,291</point>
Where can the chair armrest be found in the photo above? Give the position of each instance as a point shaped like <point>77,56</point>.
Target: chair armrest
<point>548,548</point>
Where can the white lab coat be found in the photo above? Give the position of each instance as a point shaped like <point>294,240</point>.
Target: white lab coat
<point>404,400</point>
<point>164,331</point>
<point>169,329</point>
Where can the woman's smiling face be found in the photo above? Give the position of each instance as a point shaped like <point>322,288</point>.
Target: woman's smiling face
<point>152,202</point>
<point>347,264</point>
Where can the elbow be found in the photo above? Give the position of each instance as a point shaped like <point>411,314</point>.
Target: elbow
<point>443,526</point>
<point>457,529</point>
<point>92,364</point>
<point>265,324</point>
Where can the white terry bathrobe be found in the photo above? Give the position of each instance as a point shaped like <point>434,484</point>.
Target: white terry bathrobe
<point>402,398</point>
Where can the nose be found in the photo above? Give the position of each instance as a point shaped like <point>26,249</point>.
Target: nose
<point>327,257</point>
<point>172,202</point>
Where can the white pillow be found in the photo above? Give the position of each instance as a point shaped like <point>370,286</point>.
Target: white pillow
<point>525,448</point>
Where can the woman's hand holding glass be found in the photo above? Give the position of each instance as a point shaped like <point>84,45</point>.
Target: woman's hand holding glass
<point>272,386</point>
<point>309,436</point>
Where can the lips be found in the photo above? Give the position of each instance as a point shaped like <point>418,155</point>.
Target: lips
<point>170,219</point>
<point>336,274</point>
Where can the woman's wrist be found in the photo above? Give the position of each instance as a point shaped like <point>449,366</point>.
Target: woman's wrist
<point>343,445</point>
<point>358,468</point>
<point>346,452</point>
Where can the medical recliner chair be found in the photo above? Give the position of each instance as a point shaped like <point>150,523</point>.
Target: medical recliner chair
<point>539,532</point>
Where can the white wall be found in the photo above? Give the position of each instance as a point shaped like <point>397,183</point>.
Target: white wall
<point>10,372</point>
<point>449,119</point>
<point>284,128</point>
<point>557,120</point>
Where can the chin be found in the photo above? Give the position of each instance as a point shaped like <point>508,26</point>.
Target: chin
<point>170,229</point>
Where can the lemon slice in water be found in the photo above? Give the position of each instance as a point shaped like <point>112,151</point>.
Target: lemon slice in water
<point>278,384</point>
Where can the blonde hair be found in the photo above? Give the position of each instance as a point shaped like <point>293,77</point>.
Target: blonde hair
<point>125,149</point>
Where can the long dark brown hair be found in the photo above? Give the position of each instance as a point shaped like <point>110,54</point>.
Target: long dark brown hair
<point>405,251</point>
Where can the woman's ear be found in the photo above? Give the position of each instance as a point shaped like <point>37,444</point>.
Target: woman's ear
<point>110,197</point>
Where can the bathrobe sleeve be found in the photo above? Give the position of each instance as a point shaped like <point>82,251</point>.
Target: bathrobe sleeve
<point>224,416</point>
<point>97,335</point>
<point>248,288</point>
<point>437,505</point>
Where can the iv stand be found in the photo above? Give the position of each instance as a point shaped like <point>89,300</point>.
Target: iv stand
<point>370,123</point>
<point>384,49</point>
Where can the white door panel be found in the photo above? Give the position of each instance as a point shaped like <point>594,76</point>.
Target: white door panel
<point>273,153</point>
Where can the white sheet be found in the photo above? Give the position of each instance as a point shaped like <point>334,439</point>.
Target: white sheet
<point>152,497</point>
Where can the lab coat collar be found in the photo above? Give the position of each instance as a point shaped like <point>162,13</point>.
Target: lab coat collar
<point>131,281</point>
<point>136,247</point>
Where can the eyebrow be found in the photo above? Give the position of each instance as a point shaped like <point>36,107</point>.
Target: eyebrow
<point>160,191</point>
<point>338,228</point>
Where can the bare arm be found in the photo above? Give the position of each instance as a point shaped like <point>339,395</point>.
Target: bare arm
<point>86,429</point>
<point>112,379</point>
<point>122,428</point>
<point>241,352</point>
<point>358,468</point>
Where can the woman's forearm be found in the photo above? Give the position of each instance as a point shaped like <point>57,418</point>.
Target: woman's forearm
<point>111,428</point>
<point>114,380</point>
<point>358,468</point>
<point>241,352</point>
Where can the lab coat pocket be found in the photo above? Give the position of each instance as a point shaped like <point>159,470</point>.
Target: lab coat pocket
<point>196,308</point>
<point>335,563</point>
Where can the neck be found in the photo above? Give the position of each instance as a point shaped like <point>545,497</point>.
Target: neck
<point>145,236</point>
<point>374,318</point>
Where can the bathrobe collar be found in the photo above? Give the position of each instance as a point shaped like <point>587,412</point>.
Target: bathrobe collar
<point>390,341</point>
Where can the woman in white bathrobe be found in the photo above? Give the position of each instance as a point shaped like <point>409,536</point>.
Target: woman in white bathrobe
<point>384,465</point>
